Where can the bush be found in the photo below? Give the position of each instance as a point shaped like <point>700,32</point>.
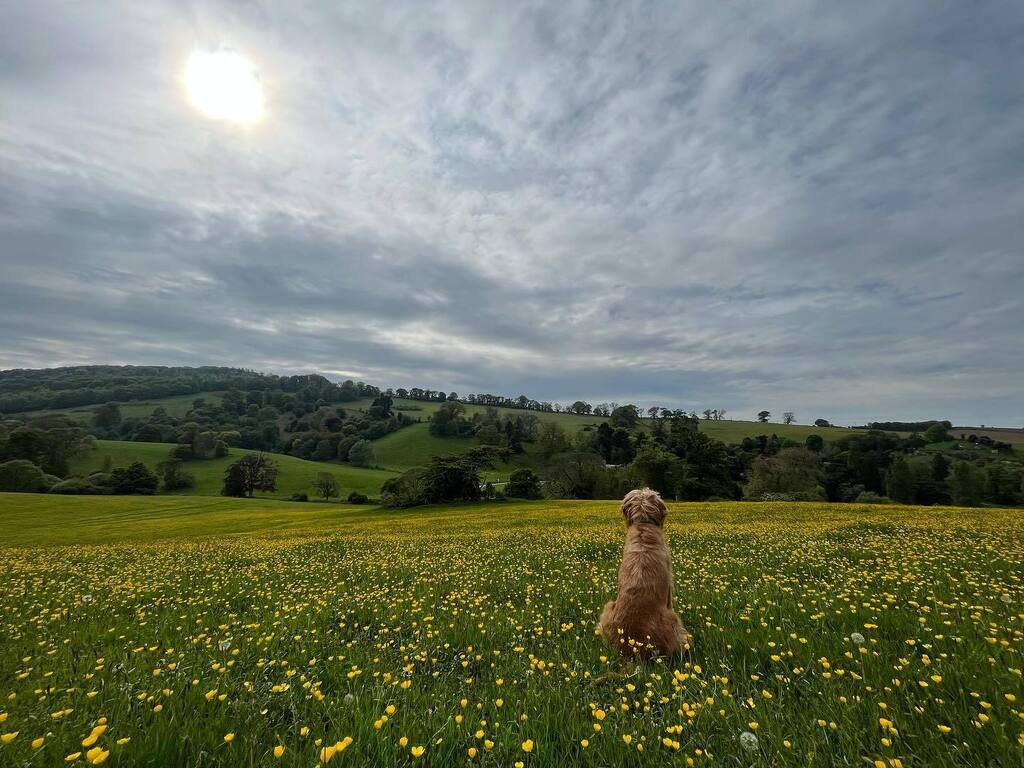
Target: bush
<point>300,496</point>
<point>361,454</point>
<point>76,486</point>
<point>22,476</point>
<point>357,498</point>
<point>136,478</point>
<point>523,484</point>
<point>870,497</point>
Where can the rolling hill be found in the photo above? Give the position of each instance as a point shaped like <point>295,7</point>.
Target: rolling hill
<point>294,476</point>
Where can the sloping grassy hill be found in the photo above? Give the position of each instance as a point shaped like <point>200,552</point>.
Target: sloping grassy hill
<point>413,446</point>
<point>294,476</point>
<point>175,405</point>
<point>733,432</point>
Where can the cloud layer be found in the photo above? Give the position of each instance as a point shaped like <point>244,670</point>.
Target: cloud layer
<point>799,206</point>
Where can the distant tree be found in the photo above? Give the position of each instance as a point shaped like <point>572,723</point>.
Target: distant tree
<point>325,484</point>
<point>136,478</point>
<point>488,435</point>
<point>937,433</point>
<point>625,417</point>
<point>814,443</point>
<point>22,476</point>
<point>721,414</point>
<point>966,484</point>
<point>107,416</point>
<point>381,407</point>
<point>580,407</point>
<point>763,416</point>
<point>821,423</point>
<point>173,476</point>
<point>940,467</point>
<point>448,421</point>
<point>788,417</point>
<point>361,454</point>
<point>551,439</point>
<point>252,472</point>
<point>1002,479</point>
<point>653,411</point>
<point>707,414</point>
<point>794,473</point>
<point>573,475</point>
<point>659,469</point>
<point>523,484</point>
<point>899,481</point>
<point>453,395</point>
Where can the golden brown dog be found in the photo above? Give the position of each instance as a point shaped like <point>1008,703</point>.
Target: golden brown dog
<point>640,621</point>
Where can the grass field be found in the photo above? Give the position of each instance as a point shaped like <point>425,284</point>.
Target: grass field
<point>294,475</point>
<point>217,632</point>
<point>176,405</point>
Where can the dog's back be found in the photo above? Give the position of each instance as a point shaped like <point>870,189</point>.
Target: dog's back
<point>640,621</point>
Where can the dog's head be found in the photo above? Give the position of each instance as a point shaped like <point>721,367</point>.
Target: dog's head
<point>643,506</point>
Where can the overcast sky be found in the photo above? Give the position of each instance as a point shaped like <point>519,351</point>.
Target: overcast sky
<point>786,205</point>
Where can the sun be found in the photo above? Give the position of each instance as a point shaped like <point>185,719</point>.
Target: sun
<point>224,85</point>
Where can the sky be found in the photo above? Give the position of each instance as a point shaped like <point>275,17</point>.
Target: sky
<point>792,206</point>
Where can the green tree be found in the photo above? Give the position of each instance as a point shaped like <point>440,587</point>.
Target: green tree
<point>937,433</point>
<point>252,472</point>
<point>625,417</point>
<point>940,467</point>
<point>966,484</point>
<point>136,478</point>
<point>658,469</point>
<point>173,476</point>
<point>763,416</point>
<point>22,476</point>
<point>326,485</point>
<point>794,473</point>
<point>551,439</point>
<point>361,454</point>
<point>106,416</point>
<point>899,481</point>
<point>523,484</point>
<point>814,443</point>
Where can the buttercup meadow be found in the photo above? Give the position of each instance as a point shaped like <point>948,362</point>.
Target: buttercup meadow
<point>465,635</point>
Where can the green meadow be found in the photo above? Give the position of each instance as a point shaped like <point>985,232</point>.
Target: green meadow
<point>178,631</point>
<point>294,476</point>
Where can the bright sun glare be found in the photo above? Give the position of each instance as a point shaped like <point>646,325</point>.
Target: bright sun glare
<point>224,85</point>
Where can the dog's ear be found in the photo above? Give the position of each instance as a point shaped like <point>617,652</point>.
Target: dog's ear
<point>658,509</point>
<point>630,506</point>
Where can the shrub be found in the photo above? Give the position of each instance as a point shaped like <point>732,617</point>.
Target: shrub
<point>300,496</point>
<point>361,454</point>
<point>870,497</point>
<point>22,476</point>
<point>136,478</point>
<point>357,498</point>
<point>523,484</point>
<point>76,486</point>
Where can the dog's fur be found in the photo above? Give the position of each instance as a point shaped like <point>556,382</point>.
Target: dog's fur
<point>640,621</point>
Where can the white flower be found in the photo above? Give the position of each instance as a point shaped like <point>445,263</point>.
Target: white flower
<point>748,741</point>
<point>349,698</point>
<point>86,598</point>
<point>857,638</point>
<point>224,645</point>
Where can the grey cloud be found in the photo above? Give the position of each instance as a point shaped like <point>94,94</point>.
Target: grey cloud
<point>804,206</point>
